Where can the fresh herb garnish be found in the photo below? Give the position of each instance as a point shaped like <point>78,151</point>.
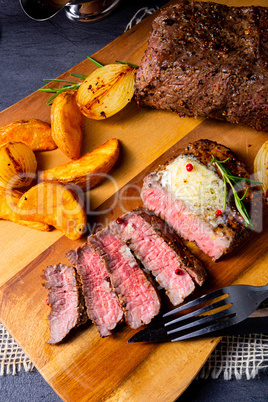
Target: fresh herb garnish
<point>95,62</point>
<point>116,61</point>
<point>57,91</point>
<point>127,63</point>
<point>72,84</point>
<point>229,178</point>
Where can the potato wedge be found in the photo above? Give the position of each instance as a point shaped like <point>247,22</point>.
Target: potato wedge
<point>33,132</point>
<point>56,205</point>
<point>66,124</point>
<point>8,203</point>
<point>87,171</point>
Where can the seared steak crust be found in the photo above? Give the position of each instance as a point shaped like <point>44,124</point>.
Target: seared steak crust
<point>204,150</point>
<point>210,60</point>
<point>65,299</point>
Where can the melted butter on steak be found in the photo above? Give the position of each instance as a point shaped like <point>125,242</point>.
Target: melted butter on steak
<point>201,189</point>
<point>189,218</point>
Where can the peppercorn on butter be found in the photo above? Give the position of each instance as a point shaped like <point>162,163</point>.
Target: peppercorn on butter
<point>200,188</point>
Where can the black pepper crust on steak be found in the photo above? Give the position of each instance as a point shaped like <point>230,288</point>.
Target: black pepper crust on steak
<point>66,300</point>
<point>210,60</point>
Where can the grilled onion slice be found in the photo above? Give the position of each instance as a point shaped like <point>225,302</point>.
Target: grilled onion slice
<point>17,165</point>
<point>261,168</point>
<point>106,91</point>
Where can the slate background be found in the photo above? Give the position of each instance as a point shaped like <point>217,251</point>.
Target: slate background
<point>29,52</point>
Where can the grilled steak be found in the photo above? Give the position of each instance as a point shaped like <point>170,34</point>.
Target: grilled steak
<point>161,252</point>
<point>137,295</point>
<point>207,59</point>
<point>188,193</point>
<point>102,303</point>
<point>65,299</point>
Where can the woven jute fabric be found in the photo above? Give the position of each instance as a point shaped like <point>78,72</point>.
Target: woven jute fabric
<point>239,357</point>
<point>12,358</point>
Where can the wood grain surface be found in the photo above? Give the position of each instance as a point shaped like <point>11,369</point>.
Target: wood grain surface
<point>85,366</point>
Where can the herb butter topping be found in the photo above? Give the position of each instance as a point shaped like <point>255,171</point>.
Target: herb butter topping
<point>200,188</point>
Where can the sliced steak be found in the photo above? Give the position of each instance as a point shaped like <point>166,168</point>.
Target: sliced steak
<point>161,252</point>
<point>102,303</point>
<point>136,293</point>
<point>188,193</point>
<point>207,59</point>
<point>65,299</point>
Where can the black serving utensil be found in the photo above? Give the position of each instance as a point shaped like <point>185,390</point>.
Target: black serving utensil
<point>215,311</point>
<point>211,314</point>
<point>252,325</point>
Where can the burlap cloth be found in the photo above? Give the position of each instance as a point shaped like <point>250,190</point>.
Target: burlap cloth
<point>234,357</point>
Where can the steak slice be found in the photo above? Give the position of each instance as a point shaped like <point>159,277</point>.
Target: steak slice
<point>161,252</point>
<point>207,59</point>
<point>102,303</point>
<point>137,295</point>
<point>65,299</point>
<point>188,193</point>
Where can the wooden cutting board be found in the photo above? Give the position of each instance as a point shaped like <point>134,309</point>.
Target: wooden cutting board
<point>87,367</point>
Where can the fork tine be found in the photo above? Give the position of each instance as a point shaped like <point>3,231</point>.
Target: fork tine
<point>207,330</point>
<point>243,299</point>
<point>204,320</point>
<point>200,300</point>
<point>194,313</point>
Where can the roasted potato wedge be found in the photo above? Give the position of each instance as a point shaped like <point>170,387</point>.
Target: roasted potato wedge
<point>66,124</point>
<point>87,171</point>
<point>56,205</point>
<point>8,207</point>
<point>33,132</point>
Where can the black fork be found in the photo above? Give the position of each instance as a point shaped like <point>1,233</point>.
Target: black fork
<point>235,303</point>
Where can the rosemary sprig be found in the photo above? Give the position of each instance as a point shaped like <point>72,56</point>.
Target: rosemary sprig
<point>80,76</point>
<point>95,62</point>
<point>127,63</point>
<point>57,91</point>
<point>116,61</point>
<point>229,178</point>
<point>72,84</point>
